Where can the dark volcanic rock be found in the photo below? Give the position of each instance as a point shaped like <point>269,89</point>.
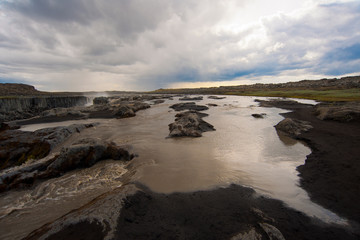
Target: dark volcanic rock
<point>85,153</point>
<point>158,101</point>
<point>212,105</point>
<point>342,112</point>
<point>189,124</point>
<point>72,113</point>
<point>128,109</point>
<point>234,212</point>
<point>282,103</point>
<point>258,115</point>
<point>81,154</point>
<point>293,127</point>
<point>188,106</point>
<point>191,98</point>
<point>16,146</point>
<point>124,112</point>
<point>16,108</point>
<point>100,100</point>
<point>215,97</point>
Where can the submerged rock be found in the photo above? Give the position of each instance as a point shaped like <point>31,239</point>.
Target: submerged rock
<point>189,124</point>
<point>293,127</point>
<point>188,106</point>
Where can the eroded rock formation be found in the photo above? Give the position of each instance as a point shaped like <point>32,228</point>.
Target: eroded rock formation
<point>189,124</point>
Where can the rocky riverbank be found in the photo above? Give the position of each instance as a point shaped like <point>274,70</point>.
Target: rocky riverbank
<point>234,212</point>
<point>331,173</point>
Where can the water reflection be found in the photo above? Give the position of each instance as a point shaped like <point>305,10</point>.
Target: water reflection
<point>242,150</point>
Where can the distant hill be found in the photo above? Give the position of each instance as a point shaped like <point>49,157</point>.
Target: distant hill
<point>322,84</point>
<point>17,89</point>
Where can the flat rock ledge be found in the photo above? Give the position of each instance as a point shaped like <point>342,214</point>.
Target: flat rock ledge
<point>191,98</point>
<point>18,147</point>
<point>189,124</point>
<point>81,154</point>
<point>293,127</point>
<point>188,106</point>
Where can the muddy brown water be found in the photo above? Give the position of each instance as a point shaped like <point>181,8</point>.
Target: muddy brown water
<point>243,150</point>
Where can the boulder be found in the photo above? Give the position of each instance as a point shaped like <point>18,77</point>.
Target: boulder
<point>189,124</point>
<point>188,106</point>
<point>293,127</point>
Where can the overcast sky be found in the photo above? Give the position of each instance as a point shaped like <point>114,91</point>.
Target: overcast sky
<point>82,45</point>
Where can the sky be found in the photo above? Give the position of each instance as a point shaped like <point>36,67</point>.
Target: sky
<point>86,45</point>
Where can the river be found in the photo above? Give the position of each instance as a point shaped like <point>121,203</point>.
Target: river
<point>243,150</point>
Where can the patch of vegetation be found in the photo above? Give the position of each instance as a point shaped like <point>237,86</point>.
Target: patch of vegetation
<point>352,94</point>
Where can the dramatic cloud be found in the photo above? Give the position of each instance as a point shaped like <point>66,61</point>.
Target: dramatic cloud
<point>81,45</point>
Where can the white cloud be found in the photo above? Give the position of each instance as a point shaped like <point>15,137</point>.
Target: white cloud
<point>142,45</point>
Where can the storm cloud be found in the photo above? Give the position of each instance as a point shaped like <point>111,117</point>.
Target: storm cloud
<point>83,45</point>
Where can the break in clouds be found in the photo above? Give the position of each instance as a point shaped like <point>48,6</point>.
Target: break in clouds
<point>82,45</point>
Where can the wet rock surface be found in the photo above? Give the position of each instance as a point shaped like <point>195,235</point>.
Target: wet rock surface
<point>17,147</point>
<point>15,108</point>
<point>191,98</point>
<point>216,97</point>
<point>137,213</point>
<point>81,154</point>
<point>293,127</point>
<point>331,172</point>
<point>258,115</point>
<point>188,106</point>
<point>189,124</point>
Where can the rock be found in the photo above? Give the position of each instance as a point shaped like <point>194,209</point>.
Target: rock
<point>191,98</point>
<point>257,115</point>
<point>189,124</point>
<point>85,153</point>
<point>17,147</point>
<point>124,112</point>
<point>100,100</point>
<point>215,97</point>
<point>128,109</point>
<point>212,105</point>
<point>281,103</point>
<point>15,108</point>
<point>8,126</point>
<point>188,106</point>
<point>342,112</point>
<point>64,112</point>
<point>81,154</point>
<point>158,101</point>
<point>293,127</point>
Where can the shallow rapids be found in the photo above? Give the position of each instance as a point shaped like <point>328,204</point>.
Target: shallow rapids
<point>243,150</point>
